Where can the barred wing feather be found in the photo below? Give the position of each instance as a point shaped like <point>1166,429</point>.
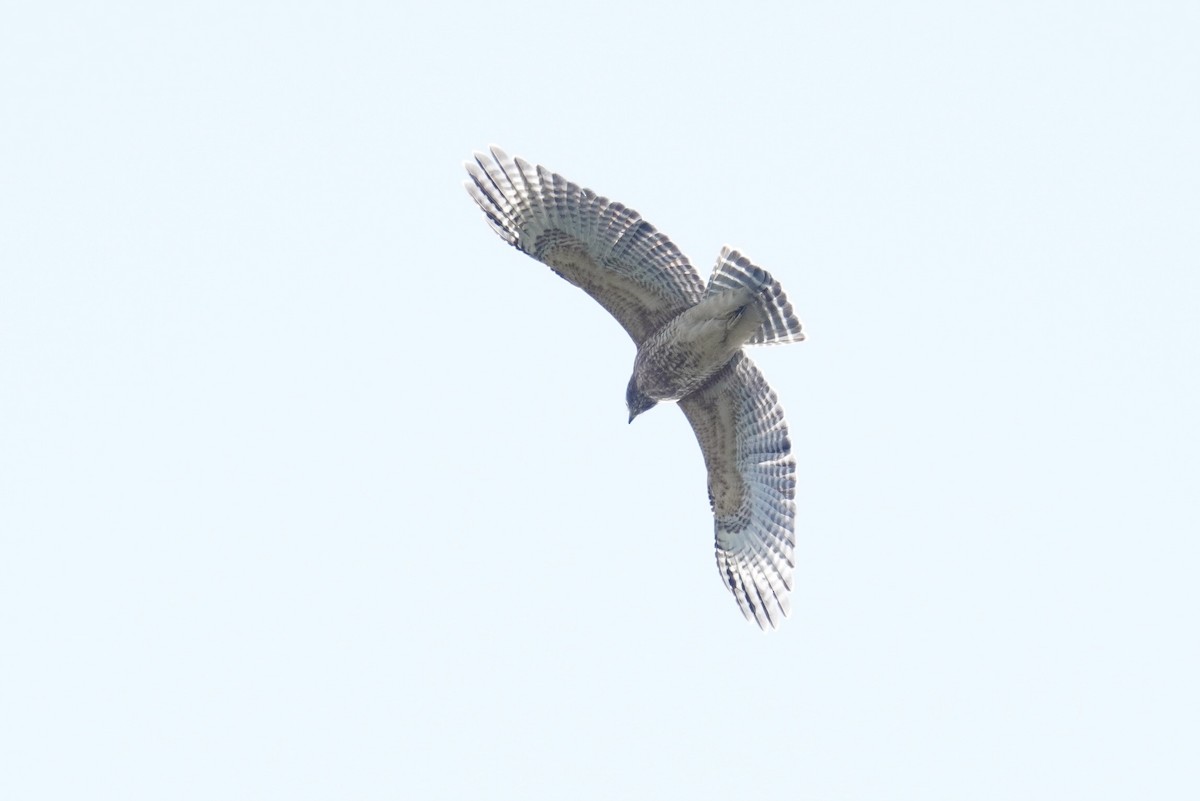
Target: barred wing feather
<point>751,485</point>
<point>605,248</point>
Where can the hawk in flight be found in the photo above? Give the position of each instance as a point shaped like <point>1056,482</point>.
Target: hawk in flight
<point>689,337</point>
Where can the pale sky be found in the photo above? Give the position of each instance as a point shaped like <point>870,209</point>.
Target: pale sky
<point>312,488</point>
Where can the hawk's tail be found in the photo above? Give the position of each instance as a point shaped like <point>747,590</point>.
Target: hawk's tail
<point>735,271</point>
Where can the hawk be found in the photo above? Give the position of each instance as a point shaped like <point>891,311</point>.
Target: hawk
<point>689,337</point>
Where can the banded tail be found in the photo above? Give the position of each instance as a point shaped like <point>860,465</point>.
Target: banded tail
<point>735,271</point>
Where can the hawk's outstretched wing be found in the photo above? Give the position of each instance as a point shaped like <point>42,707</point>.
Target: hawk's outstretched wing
<point>751,484</point>
<point>604,248</point>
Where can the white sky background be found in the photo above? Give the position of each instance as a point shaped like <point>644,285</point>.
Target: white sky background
<point>312,488</point>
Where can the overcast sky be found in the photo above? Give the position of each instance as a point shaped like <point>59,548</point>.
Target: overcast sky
<point>312,488</point>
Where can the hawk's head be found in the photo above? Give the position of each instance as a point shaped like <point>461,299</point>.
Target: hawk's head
<point>635,400</point>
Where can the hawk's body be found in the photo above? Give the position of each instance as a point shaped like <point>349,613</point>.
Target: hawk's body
<point>689,337</point>
<point>684,353</point>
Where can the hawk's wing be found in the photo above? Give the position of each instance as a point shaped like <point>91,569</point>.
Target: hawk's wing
<point>751,484</point>
<point>604,248</point>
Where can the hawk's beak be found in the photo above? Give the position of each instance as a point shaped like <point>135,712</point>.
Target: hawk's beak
<point>631,416</point>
